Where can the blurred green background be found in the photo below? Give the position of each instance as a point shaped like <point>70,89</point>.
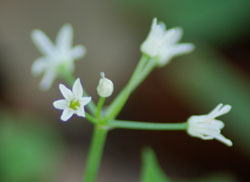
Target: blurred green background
<point>36,146</point>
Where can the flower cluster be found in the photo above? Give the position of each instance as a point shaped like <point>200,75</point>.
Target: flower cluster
<point>161,45</point>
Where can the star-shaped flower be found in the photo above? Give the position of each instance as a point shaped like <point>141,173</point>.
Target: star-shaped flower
<point>74,101</point>
<point>162,45</point>
<point>207,127</point>
<point>57,58</point>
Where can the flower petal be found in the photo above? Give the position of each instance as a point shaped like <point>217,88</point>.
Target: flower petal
<point>158,29</point>
<point>60,104</point>
<point>47,80</point>
<point>85,100</point>
<point>209,131</point>
<point>81,112</point>
<point>218,124</point>
<point>67,94</point>
<point>216,109</point>
<point>77,88</point>
<point>39,66</point>
<point>42,42</point>
<point>173,35</point>
<point>154,23</point>
<point>66,114</point>
<point>224,110</point>
<point>224,140</point>
<point>220,110</point>
<point>78,52</point>
<point>181,49</point>
<point>168,52</point>
<point>205,137</point>
<point>64,37</point>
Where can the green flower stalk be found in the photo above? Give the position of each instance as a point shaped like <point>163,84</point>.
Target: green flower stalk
<point>95,153</point>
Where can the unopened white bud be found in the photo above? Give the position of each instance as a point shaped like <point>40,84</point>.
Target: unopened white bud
<point>105,87</point>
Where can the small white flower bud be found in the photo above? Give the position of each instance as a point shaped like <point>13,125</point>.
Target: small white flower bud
<point>105,87</point>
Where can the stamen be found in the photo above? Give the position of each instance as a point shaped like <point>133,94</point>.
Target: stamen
<point>74,104</point>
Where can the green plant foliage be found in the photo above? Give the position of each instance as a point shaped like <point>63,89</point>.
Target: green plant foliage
<point>216,178</point>
<point>211,20</point>
<point>29,150</point>
<point>151,171</point>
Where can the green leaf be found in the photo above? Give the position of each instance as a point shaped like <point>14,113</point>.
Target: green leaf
<point>151,171</point>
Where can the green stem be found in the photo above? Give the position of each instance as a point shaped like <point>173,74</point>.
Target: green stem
<point>91,118</point>
<point>95,154</point>
<point>140,66</point>
<point>141,72</point>
<point>70,80</point>
<point>146,125</point>
<point>99,107</point>
<point>147,70</point>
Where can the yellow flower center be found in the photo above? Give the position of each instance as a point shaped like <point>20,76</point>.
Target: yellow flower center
<point>74,104</point>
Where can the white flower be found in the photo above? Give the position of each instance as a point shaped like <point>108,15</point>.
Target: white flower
<point>207,127</point>
<point>74,101</point>
<point>162,44</point>
<point>56,59</point>
<point>105,87</point>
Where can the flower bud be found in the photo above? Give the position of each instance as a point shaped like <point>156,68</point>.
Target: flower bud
<point>105,87</point>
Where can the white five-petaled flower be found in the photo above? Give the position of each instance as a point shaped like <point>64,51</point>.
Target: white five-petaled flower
<point>74,101</point>
<point>162,45</point>
<point>58,57</point>
<point>207,127</point>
